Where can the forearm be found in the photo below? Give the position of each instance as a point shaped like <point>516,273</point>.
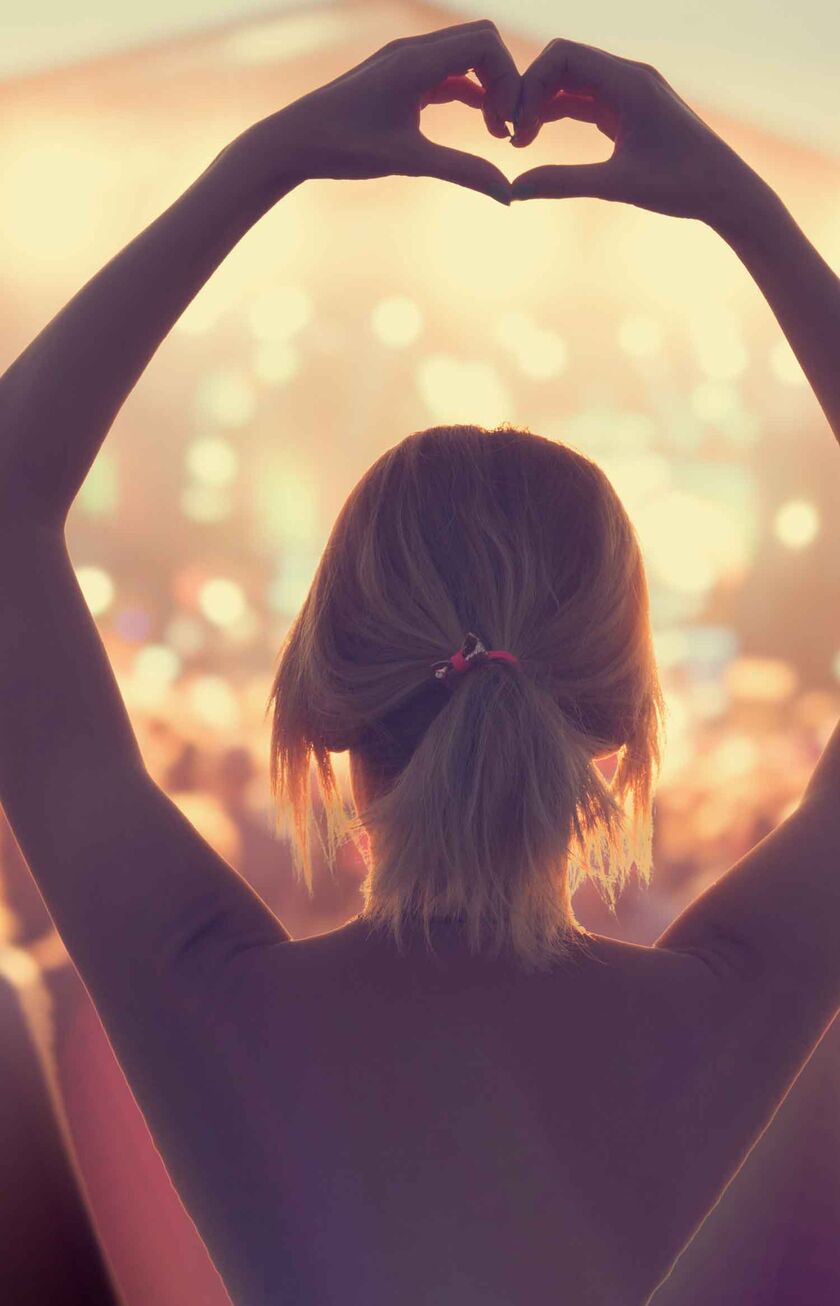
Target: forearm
<point>801,289</point>
<point>59,399</point>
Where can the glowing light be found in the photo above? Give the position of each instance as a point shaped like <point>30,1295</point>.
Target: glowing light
<point>285,503</point>
<point>796,523</point>
<point>54,156</point>
<point>397,321</point>
<point>637,476</point>
<point>289,38</point>
<point>245,630</point>
<point>291,585</point>
<point>540,353</point>
<point>543,355</point>
<point>512,328</point>
<point>280,313</point>
<point>98,494</point>
<point>692,542</point>
<point>222,601</point>
<point>185,634</point>
<point>767,680</point>
<point>456,390</point>
<point>213,460</point>
<point>718,343</point>
<point>785,365</point>
<point>214,703</point>
<point>640,336</point>
<point>276,362</point>
<point>133,623</point>
<point>678,750</point>
<point>206,308</point>
<point>835,666</point>
<point>733,756</point>
<point>157,664</point>
<point>206,503</point>
<point>715,401</point>
<point>670,647</point>
<point>227,397</point>
<point>466,257</point>
<point>97,588</point>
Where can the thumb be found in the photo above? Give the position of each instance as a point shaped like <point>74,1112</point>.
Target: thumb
<point>566,181</point>
<point>430,160</point>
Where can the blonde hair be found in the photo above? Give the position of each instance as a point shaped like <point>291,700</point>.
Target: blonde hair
<point>490,805</point>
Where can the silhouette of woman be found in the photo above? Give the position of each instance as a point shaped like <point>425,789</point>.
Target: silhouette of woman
<point>523,1112</point>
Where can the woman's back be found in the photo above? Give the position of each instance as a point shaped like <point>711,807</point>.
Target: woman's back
<point>400,1129</point>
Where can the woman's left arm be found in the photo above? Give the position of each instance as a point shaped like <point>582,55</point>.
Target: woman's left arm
<point>59,399</point>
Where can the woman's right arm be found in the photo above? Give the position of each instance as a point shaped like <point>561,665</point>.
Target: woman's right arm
<point>777,911</point>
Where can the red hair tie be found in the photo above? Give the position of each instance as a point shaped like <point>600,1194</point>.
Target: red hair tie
<point>471,652</point>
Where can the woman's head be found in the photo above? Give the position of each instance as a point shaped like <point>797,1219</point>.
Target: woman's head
<point>482,797</point>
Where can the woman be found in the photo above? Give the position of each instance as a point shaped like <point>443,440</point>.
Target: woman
<point>524,1113</point>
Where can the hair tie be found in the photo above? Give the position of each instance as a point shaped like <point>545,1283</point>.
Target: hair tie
<point>470,654</point>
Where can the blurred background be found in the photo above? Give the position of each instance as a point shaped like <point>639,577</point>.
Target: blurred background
<point>354,313</point>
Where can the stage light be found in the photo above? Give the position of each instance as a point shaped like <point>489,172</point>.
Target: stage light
<point>678,749</point>
<point>59,182</point>
<point>670,647</point>
<point>285,502</point>
<point>640,336</point>
<point>512,327</point>
<point>735,755</point>
<point>97,588</point>
<point>276,362</point>
<point>227,397</point>
<point>692,542</point>
<point>719,345</point>
<point>396,321</point>
<point>715,401</point>
<point>157,664</point>
<point>214,703</point>
<point>98,494</point>
<point>243,631</point>
<point>796,523</point>
<point>222,601</point>
<point>280,312</point>
<point>461,390</point>
<point>213,460</point>
<point>185,634</point>
<point>291,585</point>
<point>785,365</point>
<point>543,355</point>
<point>636,476</point>
<point>765,680</point>
<point>206,503</point>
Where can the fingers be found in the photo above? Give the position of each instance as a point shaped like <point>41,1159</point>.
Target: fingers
<point>475,47</point>
<point>567,66</point>
<point>583,109</point>
<point>597,180</point>
<point>431,160</point>
<point>456,88</point>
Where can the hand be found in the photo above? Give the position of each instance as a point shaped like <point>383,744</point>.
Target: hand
<point>366,123</point>
<point>666,158</point>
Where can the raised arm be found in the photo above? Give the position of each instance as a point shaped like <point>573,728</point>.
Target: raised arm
<point>778,910</point>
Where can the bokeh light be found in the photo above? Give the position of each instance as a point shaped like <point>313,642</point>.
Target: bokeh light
<point>97,588</point>
<point>222,601</point>
<point>397,321</point>
<point>796,523</point>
